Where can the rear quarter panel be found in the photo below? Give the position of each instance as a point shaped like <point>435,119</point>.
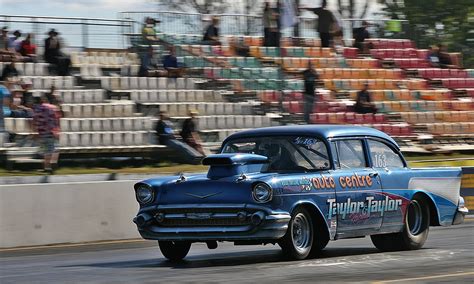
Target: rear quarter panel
<point>441,185</point>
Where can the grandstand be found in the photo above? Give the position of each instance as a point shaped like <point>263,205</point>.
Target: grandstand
<point>109,110</point>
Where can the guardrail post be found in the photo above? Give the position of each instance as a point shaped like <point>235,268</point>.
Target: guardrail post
<point>85,35</point>
<point>35,28</point>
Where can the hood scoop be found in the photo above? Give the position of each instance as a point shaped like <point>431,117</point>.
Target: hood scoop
<point>236,164</point>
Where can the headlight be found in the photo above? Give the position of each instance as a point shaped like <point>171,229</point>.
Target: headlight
<point>144,194</point>
<point>262,192</point>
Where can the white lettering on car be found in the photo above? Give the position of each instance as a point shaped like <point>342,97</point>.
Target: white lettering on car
<point>369,206</point>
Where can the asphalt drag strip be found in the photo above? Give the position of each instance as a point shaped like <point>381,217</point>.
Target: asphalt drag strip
<point>448,256</point>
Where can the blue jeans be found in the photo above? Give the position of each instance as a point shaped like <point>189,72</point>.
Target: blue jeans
<point>308,107</point>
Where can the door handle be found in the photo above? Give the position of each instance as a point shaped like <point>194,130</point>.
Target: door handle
<point>373,174</point>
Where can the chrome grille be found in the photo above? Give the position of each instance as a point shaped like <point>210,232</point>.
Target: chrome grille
<point>204,222</point>
<point>192,217</point>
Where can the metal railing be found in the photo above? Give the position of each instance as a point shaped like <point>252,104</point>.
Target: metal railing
<point>76,32</point>
<point>79,32</point>
<point>240,24</point>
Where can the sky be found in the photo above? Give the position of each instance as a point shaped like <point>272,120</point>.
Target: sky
<point>73,8</point>
<point>99,35</point>
<point>99,8</point>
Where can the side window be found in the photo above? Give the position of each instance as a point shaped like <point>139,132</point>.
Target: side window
<point>383,156</point>
<point>351,154</point>
<point>313,155</point>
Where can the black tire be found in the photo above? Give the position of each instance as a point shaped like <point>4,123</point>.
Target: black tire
<point>320,239</point>
<point>174,251</point>
<point>297,243</point>
<point>415,230</point>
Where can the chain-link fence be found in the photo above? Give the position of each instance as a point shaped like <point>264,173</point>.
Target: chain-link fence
<point>239,24</point>
<point>75,32</point>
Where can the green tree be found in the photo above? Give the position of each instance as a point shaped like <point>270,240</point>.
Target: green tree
<point>438,21</point>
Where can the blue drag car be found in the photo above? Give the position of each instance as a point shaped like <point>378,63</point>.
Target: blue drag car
<point>300,186</point>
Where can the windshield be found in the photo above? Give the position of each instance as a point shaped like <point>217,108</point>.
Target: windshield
<point>285,153</point>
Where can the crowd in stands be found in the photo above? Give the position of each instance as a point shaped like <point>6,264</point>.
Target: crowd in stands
<point>16,99</point>
<point>44,112</point>
<point>303,77</point>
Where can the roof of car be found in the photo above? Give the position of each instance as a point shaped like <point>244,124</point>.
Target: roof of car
<point>322,131</point>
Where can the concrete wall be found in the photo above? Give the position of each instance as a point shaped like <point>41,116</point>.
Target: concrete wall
<point>39,214</point>
<point>74,212</point>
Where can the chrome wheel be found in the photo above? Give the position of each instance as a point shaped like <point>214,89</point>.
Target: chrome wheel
<point>301,232</point>
<point>414,217</point>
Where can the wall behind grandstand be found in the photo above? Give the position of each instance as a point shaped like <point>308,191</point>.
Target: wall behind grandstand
<point>40,214</point>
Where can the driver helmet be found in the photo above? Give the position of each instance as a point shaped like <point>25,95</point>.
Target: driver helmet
<point>273,152</point>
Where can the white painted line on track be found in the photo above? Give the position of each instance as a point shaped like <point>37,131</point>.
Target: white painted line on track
<point>69,183</point>
<point>425,277</point>
<point>75,245</point>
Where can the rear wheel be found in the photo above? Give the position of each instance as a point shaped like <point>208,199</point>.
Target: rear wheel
<point>298,240</point>
<point>174,250</point>
<point>415,230</point>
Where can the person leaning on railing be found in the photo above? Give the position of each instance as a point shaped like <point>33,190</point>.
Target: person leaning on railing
<point>211,35</point>
<point>326,20</point>
<point>270,26</point>
<point>149,33</point>
<point>54,55</point>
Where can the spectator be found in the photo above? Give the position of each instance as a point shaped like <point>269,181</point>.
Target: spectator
<point>270,26</point>
<point>326,20</point>
<point>170,63</point>
<point>145,62</point>
<point>444,57</point>
<point>211,36</point>
<point>18,107</point>
<point>310,76</point>
<point>4,40</point>
<point>267,21</point>
<point>55,99</point>
<point>166,136</point>
<point>149,65</point>
<point>433,56</point>
<point>149,32</point>
<point>46,125</point>
<point>338,42</point>
<point>54,55</point>
<point>364,102</point>
<point>360,35</point>
<point>14,42</point>
<point>9,71</point>
<point>189,132</point>
<point>28,48</point>
<point>52,47</point>
<point>4,110</point>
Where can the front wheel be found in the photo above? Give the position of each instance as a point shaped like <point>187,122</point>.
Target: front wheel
<point>414,233</point>
<point>298,240</point>
<point>174,251</point>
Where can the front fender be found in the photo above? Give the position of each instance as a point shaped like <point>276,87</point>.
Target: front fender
<point>317,213</point>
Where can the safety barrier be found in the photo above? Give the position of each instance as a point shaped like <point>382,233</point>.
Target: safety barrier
<point>467,187</point>
<point>69,211</point>
<point>41,214</point>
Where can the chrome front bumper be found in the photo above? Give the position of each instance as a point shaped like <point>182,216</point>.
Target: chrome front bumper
<point>461,212</point>
<point>204,222</point>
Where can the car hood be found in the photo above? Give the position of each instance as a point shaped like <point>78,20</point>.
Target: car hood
<point>200,189</point>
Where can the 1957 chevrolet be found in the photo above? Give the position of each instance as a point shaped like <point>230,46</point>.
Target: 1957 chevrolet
<point>300,186</point>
